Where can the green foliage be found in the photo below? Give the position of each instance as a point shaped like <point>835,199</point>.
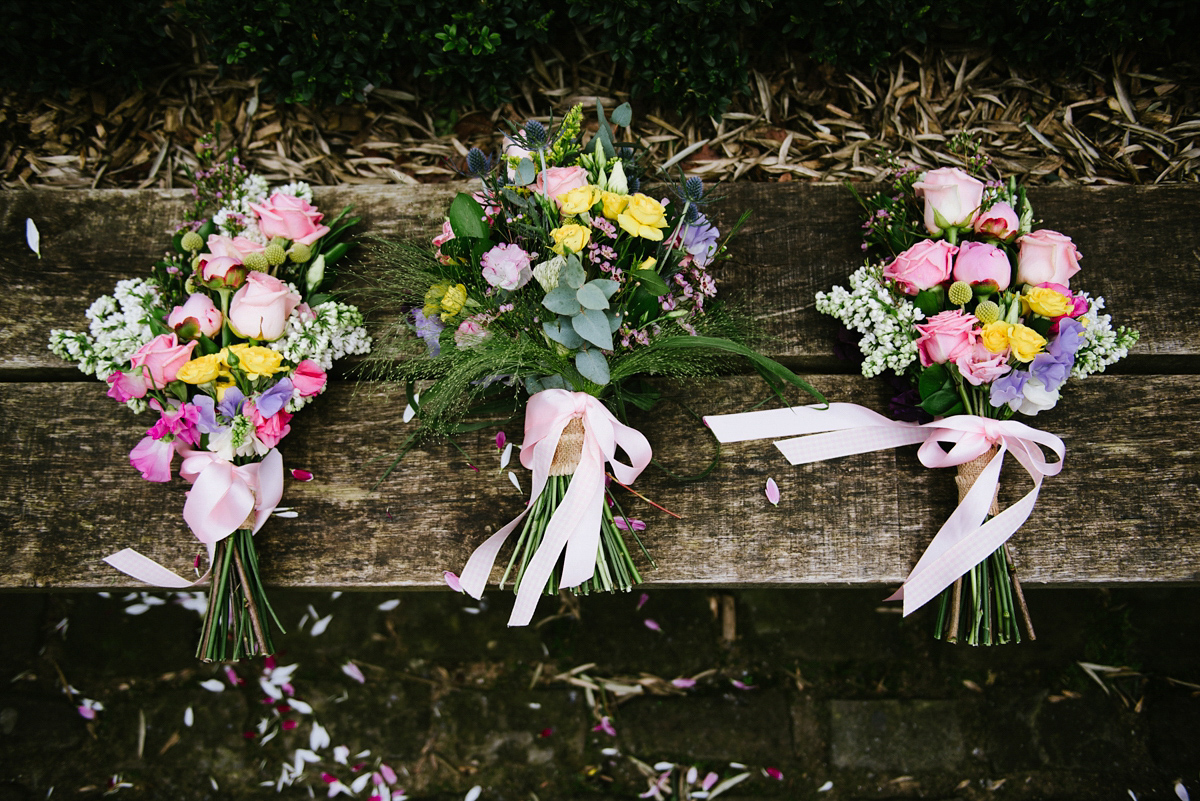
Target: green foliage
<point>57,45</point>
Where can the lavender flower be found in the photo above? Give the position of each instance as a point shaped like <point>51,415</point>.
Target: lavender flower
<point>429,329</point>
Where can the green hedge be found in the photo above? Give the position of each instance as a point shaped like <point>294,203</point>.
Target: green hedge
<point>692,55</point>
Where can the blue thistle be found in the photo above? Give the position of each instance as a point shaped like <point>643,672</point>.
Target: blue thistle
<point>535,135</point>
<point>477,163</point>
<point>693,189</point>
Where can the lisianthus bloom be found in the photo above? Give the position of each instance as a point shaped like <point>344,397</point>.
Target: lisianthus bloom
<point>571,238</point>
<point>644,217</point>
<point>1046,257</point>
<point>1025,342</point>
<point>923,266</point>
<point>952,197</point>
<point>290,217</point>
<point>945,336</point>
<point>506,267</point>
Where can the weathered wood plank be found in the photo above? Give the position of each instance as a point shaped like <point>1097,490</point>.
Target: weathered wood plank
<point>1123,511</point>
<point>1138,245</point>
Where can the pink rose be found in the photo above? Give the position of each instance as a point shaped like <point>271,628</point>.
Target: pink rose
<point>161,358</point>
<point>1046,257</point>
<point>560,180</point>
<point>269,430</point>
<point>923,266</point>
<point>945,337</point>
<point>980,366</point>
<point>291,218</point>
<point>506,266</point>
<point>124,386</point>
<point>470,333</point>
<point>999,221</point>
<point>225,271</point>
<point>238,247</point>
<point>198,311</point>
<point>260,309</point>
<point>978,262</point>
<point>952,198</point>
<point>308,378</point>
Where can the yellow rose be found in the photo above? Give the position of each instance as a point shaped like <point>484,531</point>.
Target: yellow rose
<point>644,217</point>
<point>433,298</point>
<point>571,238</point>
<point>453,301</point>
<point>578,200</point>
<point>200,370</point>
<point>1026,343</point>
<point>614,204</point>
<point>1046,302</point>
<point>260,361</point>
<point>995,336</point>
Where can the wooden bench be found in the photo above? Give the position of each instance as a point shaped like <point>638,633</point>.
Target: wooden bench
<point>1125,509</point>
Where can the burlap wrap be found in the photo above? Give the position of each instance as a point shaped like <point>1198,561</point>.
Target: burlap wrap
<point>968,473</point>
<point>570,447</point>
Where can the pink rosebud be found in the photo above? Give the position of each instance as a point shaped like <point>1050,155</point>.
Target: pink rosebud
<point>222,271</point>
<point>979,262</point>
<point>945,336</point>
<point>979,366</point>
<point>290,217</point>
<point>238,247</point>
<point>999,221</point>
<point>1046,257</point>
<point>923,266</point>
<point>559,180</point>
<point>952,198</point>
<point>161,358</point>
<point>199,313</point>
<point>506,267</point>
<point>259,310</point>
<point>124,386</point>
<point>308,378</point>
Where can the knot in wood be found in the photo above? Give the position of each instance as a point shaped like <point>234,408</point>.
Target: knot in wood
<point>570,448</point>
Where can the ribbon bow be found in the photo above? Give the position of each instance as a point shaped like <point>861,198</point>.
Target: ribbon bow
<point>964,540</point>
<point>575,524</point>
<point>222,498</point>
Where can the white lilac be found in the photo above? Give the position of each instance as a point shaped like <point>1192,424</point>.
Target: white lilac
<point>1102,345</point>
<point>886,325</point>
<point>120,324</point>
<point>330,331</point>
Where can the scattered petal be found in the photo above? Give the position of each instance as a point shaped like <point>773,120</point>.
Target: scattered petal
<point>351,670</point>
<point>547,732</point>
<point>388,606</point>
<point>772,491</point>
<point>609,751</point>
<point>664,766</point>
<point>409,413</point>
<point>86,712</point>
<point>335,595</point>
<point>709,781</point>
<point>605,725</point>
<point>683,684</point>
<point>473,793</point>
<point>774,773</point>
<point>341,755</point>
<point>825,788</point>
<point>286,514</point>
<point>741,685</point>
<point>213,685</point>
<point>1180,791</point>
<point>232,677</point>
<point>318,738</point>
<point>506,456</point>
<point>137,609</point>
<point>33,237</point>
<point>692,775</point>
<point>642,600</point>
<point>301,475</point>
<point>452,581</point>
<point>288,725</point>
<point>652,625</point>
<point>501,439</point>
<point>629,525</point>
<point>389,775</point>
<point>730,782</point>
<point>319,627</point>
<point>358,784</point>
<point>300,706</point>
<point>189,717</point>
<point>273,692</point>
<point>513,478</point>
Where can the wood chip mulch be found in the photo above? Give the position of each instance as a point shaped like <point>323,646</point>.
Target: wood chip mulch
<point>801,121</point>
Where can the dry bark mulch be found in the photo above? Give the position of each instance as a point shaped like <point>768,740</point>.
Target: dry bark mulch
<point>801,121</point>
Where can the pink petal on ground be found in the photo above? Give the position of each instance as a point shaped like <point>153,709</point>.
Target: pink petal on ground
<point>269,663</point>
<point>389,775</point>
<point>642,600</point>
<point>249,735</point>
<point>452,581</point>
<point>544,733</point>
<point>772,491</point>
<point>288,725</point>
<point>652,625</point>
<point>741,685</point>
<point>302,475</point>
<point>629,525</point>
<point>196,562</point>
<point>500,440</point>
<point>473,467</point>
<point>684,684</point>
<point>86,712</point>
<point>692,775</point>
<point>709,781</point>
<point>328,778</point>
<point>232,677</point>
<point>775,773</point>
<point>351,670</point>
<point>605,725</point>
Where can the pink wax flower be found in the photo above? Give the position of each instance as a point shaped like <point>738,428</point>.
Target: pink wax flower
<point>269,430</point>
<point>979,262</point>
<point>238,247</point>
<point>979,366</point>
<point>952,198</point>
<point>506,267</point>
<point>161,358</point>
<point>125,386</point>
<point>198,315</point>
<point>259,310</point>
<point>999,221</point>
<point>946,336</point>
<point>560,180</point>
<point>225,271</point>
<point>290,217</point>
<point>1046,257</point>
<point>923,266</point>
<point>308,378</point>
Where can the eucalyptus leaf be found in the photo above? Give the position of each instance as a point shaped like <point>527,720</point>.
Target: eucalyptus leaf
<point>514,198</point>
<point>561,331</point>
<point>561,300</point>
<point>614,321</point>
<point>592,325</point>
<point>592,365</point>
<point>591,296</point>
<point>574,273</point>
<point>466,218</point>
<point>606,285</point>
<point>622,115</point>
<point>651,281</point>
<point>526,172</point>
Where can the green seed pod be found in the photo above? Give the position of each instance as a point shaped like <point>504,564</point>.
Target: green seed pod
<point>275,254</point>
<point>300,253</point>
<point>960,293</point>
<point>259,262</point>
<point>191,241</point>
<point>987,312</point>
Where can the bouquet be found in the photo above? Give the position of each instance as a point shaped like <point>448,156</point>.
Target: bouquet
<point>558,279</point>
<point>971,309</point>
<point>227,339</point>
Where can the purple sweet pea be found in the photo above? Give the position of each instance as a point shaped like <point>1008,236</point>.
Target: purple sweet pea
<point>429,329</point>
<point>270,402</point>
<point>1009,388</point>
<point>206,420</point>
<point>700,240</point>
<point>1050,371</point>
<point>1066,344</point>
<point>231,405</point>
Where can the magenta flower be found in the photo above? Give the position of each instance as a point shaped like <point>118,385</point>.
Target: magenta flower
<point>629,524</point>
<point>605,725</point>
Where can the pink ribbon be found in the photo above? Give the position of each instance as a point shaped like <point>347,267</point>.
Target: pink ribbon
<point>575,524</point>
<point>965,540</point>
<point>222,497</point>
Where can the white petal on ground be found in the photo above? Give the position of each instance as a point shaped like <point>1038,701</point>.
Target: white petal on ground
<point>341,755</point>
<point>300,706</point>
<point>270,689</point>
<point>730,782</point>
<point>137,609</point>
<point>506,456</point>
<point>388,606</point>
<point>826,787</point>
<point>318,738</point>
<point>319,627</point>
<point>189,717</point>
<point>409,413</point>
<point>513,478</point>
<point>473,793</point>
<point>358,784</point>
<point>33,237</point>
<point>663,765</point>
<point>213,685</point>
<point>351,670</point>
<point>287,514</point>
<point>1180,791</point>
<point>772,492</point>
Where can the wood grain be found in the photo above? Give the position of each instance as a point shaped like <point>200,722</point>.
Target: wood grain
<point>1124,509</point>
